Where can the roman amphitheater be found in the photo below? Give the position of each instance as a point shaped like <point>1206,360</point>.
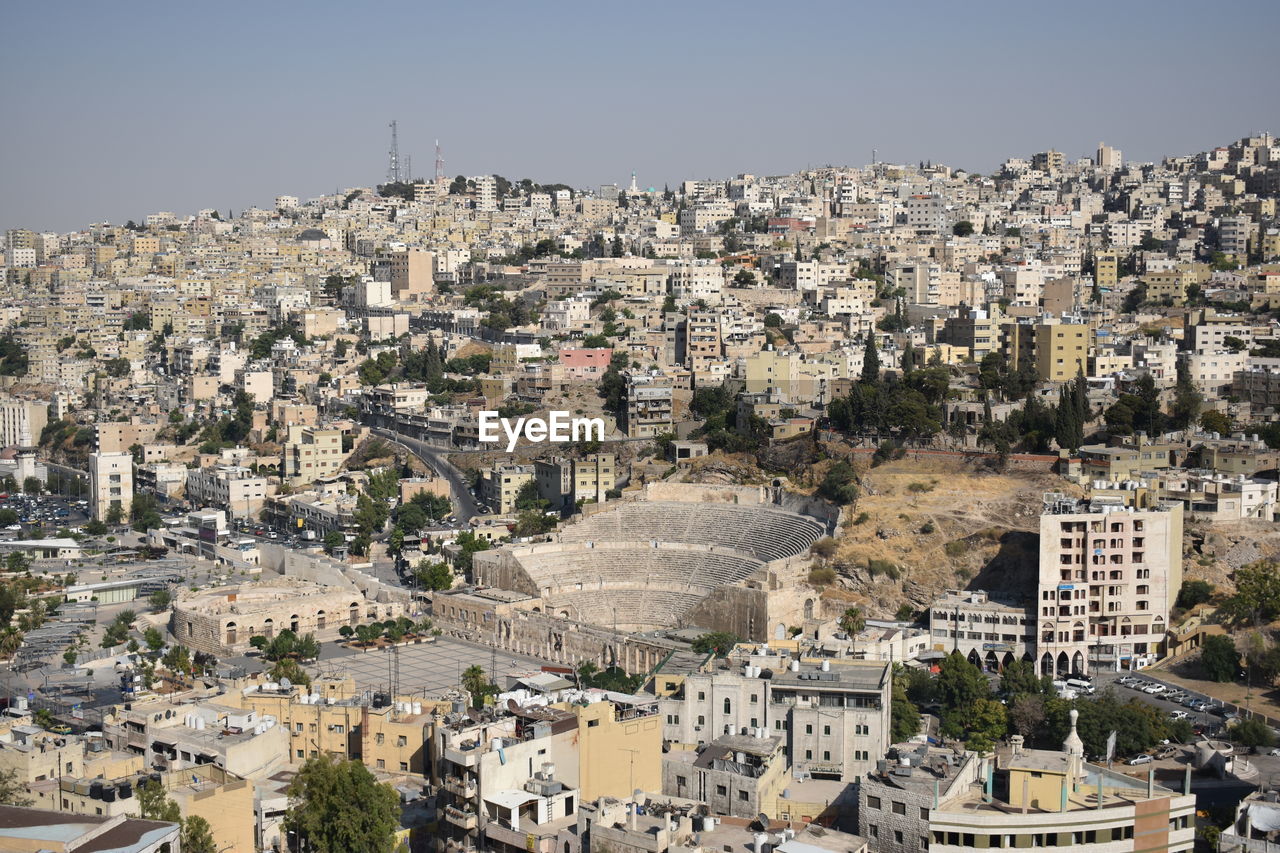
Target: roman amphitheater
<point>712,557</point>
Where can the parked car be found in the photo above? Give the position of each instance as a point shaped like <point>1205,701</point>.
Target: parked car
<point>1179,715</point>
<point>1166,752</point>
<point>1153,688</point>
<point>1139,759</point>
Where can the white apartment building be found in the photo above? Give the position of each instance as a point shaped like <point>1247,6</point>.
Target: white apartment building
<point>22,421</point>
<point>233,488</point>
<point>1109,576</point>
<point>110,483</point>
<point>832,715</point>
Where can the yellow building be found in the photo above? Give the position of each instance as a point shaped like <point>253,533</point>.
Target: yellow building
<point>1106,270</point>
<point>619,750</point>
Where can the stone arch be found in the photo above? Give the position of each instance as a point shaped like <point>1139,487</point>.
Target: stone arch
<point>1077,662</point>
<point>1046,664</point>
<point>294,623</point>
<point>974,659</point>
<point>1064,663</point>
<point>353,614</point>
<point>231,633</point>
<point>990,661</point>
<point>320,620</point>
<point>808,608</point>
<point>268,628</point>
<point>780,632</point>
<point>1006,660</point>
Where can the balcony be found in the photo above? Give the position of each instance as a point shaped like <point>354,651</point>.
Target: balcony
<point>462,757</point>
<point>462,788</point>
<point>466,820</point>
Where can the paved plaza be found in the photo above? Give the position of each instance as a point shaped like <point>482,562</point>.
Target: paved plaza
<point>426,670</point>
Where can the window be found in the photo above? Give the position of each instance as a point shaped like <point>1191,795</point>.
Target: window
<point>826,756</point>
<point>701,696</point>
<point>826,730</point>
<point>924,813</point>
<point>382,765</point>
<point>742,795</point>
<point>404,765</point>
<point>300,755</point>
<point>873,802</point>
<point>402,741</point>
<point>340,730</point>
<point>701,720</point>
<point>899,807</point>
<point>727,707</point>
<point>722,790</point>
<point>808,729</point>
<point>754,698</point>
<point>681,781</point>
<point>379,738</point>
<point>591,724</point>
<point>873,830</point>
<point>897,836</point>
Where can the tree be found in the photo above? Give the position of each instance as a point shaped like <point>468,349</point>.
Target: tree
<point>13,791</point>
<point>719,643</point>
<point>1219,658</point>
<point>1026,714</point>
<point>160,599</point>
<point>904,716</point>
<point>960,683</point>
<point>177,660</point>
<point>69,656</point>
<point>94,527</point>
<point>153,639</point>
<point>1215,421</point>
<point>333,540</point>
<point>963,228</point>
<point>154,804</point>
<point>290,669</point>
<point>1019,679</point>
<point>476,684</point>
<point>852,621</point>
<point>984,723</point>
<point>32,485</point>
<point>434,576</point>
<point>339,807</point>
<point>115,513</point>
<point>197,836</point>
<point>870,362</point>
<point>1253,733</point>
<point>1258,590</point>
<point>1194,592</point>
<point>839,484</point>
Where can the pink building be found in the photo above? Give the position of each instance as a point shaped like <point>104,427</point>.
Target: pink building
<point>585,363</point>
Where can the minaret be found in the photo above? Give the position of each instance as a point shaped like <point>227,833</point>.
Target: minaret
<point>1073,745</point>
<point>633,188</point>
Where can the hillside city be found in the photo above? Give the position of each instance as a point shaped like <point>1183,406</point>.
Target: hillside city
<point>934,510</point>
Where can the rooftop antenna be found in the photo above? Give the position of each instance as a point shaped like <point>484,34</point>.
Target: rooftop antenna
<point>393,164</point>
<point>408,170</point>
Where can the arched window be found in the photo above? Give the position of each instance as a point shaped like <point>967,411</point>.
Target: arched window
<point>231,633</point>
<point>727,706</point>
<point>320,620</point>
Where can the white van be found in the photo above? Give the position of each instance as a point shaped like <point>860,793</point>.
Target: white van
<point>1080,685</point>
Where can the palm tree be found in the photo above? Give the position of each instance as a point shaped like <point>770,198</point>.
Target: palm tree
<point>10,641</point>
<point>475,683</point>
<point>851,623</point>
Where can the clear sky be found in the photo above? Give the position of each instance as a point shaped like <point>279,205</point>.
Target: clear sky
<point>116,110</point>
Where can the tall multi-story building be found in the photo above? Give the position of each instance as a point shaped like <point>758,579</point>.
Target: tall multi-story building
<point>22,421</point>
<point>648,402</point>
<point>564,482</point>
<point>311,453</point>
<point>412,273</point>
<point>1050,162</point>
<point>110,483</point>
<point>1109,575</point>
<point>486,193</point>
<point>1109,159</point>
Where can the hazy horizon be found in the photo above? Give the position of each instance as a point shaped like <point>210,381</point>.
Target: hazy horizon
<point>117,112</point>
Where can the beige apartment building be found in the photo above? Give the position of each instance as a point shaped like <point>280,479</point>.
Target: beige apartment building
<point>1109,576</point>
<point>229,487</point>
<point>311,453</point>
<point>564,482</point>
<point>21,421</point>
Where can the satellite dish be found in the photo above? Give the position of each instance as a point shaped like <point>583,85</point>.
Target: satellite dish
<point>285,683</point>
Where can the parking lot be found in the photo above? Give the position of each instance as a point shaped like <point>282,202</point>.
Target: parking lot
<point>30,513</point>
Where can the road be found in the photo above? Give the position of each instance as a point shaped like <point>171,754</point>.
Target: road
<point>438,461</point>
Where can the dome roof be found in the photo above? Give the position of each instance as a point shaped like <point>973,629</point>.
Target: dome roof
<point>313,234</point>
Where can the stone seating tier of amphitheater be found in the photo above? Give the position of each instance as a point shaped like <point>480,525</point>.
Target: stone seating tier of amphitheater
<point>767,533</point>
<point>690,570</point>
<point>632,609</point>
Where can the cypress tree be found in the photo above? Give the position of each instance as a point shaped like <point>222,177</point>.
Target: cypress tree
<point>870,362</point>
<point>908,360</point>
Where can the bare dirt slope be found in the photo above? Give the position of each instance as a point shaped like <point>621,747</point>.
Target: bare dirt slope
<point>933,525</point>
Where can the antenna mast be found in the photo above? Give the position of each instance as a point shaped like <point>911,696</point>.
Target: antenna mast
<point>393,165</point>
